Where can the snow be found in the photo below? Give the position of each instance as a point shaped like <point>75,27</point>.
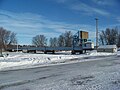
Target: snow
<point>108,46</point>
<point>101,74</point>
<point>19,59</point>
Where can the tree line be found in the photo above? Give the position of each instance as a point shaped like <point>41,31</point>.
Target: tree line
<point>110,36</point>
<point>63,40</point>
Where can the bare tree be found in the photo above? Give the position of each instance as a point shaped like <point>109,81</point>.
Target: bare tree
<point>109,36</point>
<point>118,40</point>
<point>13,39</point>
<point>101,40</point>
<point>61,40</point>
<point>68,38</point>
<point>65,39</point>
<point>1,41</point>
<point>5,38</point>
<point>39,40</point>
<point>53,42</point>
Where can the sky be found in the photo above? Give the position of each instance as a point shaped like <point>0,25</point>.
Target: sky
<point>51,18</point>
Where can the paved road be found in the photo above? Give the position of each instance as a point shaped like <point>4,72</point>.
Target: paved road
<point>102,74</point>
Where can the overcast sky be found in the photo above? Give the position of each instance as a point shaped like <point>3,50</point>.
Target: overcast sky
<point>28,18</point>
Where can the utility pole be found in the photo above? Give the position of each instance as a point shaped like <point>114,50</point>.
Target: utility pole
<point>96,32</point>
<point>1,46</point>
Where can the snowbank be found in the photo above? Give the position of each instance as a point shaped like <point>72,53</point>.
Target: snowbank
<point>25,59</point>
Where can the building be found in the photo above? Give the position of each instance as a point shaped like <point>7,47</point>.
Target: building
<point>107,48</point>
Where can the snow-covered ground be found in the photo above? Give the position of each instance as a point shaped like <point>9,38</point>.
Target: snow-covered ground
<point>18,59</point>
<point>95,74</point>
<point>100,74</point>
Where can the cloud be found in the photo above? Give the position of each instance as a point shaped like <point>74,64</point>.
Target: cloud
<point>27,25</point>
<point>61,1</point>
<point>89,10</point>
<point>118,19</point>
<point>105,2</point>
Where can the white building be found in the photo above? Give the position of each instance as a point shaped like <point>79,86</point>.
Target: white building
<point>107,48</point>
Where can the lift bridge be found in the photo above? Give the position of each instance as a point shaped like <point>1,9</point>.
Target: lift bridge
<point>81,41</point>
<point>80,44</point>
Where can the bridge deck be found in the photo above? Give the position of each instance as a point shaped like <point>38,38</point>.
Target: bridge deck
<point>50,49</point>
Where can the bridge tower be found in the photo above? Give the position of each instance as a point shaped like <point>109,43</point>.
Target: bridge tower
<point>79,40</point>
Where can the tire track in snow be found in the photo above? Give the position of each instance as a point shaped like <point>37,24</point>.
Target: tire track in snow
<point>26,81</point>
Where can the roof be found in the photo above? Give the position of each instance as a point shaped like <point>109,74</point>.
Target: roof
<point>107,46</point>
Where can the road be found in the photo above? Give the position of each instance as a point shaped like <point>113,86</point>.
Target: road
<point>101,74</point>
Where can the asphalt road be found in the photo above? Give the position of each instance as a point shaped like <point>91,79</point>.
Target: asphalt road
<point>101,74</point>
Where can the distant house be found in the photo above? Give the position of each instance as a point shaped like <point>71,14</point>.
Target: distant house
<point>107,48</point>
